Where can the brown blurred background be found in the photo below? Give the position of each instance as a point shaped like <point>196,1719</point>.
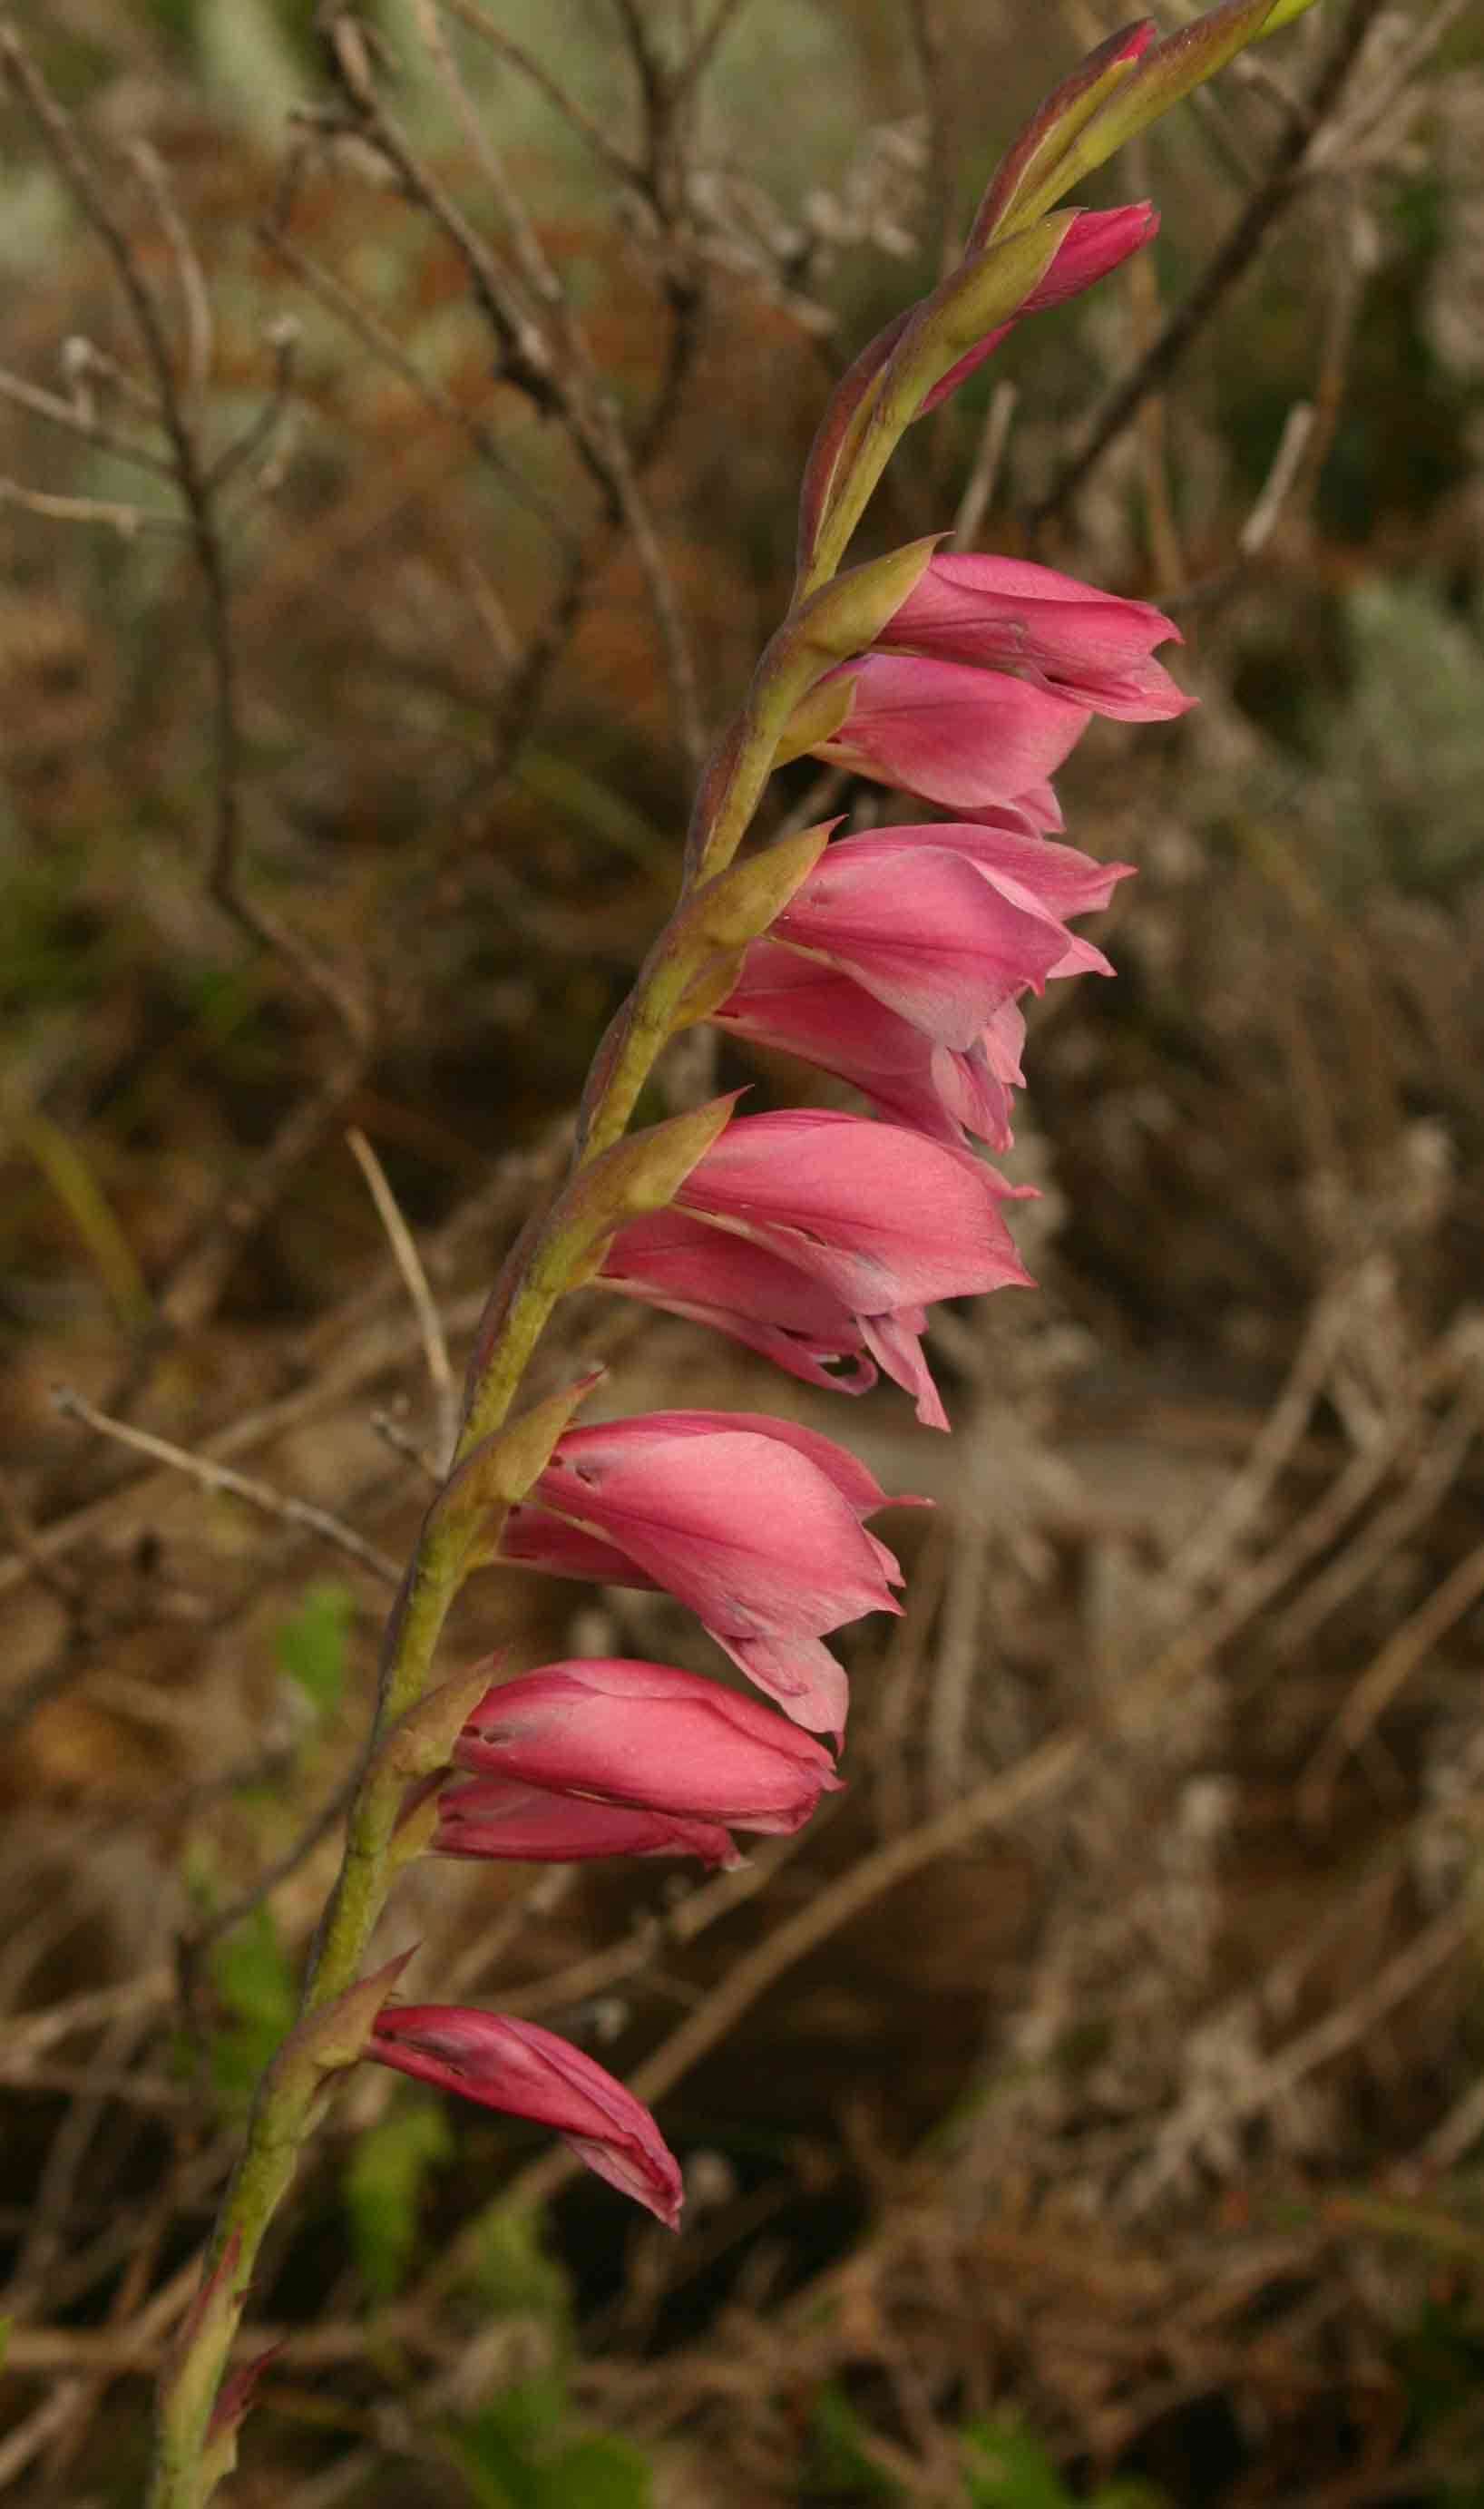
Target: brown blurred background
<point>401,421</point>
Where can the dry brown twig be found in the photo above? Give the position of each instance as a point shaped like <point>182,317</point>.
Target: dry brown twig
<point>1295,160</point>
<point>209,1475</point>
<point>400,1237</point>
<point>59,134</point>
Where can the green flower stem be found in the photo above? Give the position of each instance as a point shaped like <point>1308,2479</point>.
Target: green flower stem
<point>288,2102</point>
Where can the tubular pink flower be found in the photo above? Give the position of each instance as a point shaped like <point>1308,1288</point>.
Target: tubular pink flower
<point>941,931</point>
<point>499,1819</point>
<point>650,1736</point>
<point>877,1215</point>
<point>872,1216</point>
<point>955,735</point>
<point>1006,613</point>
<point>755,1525</point>
<point>1095,244</point>
<point>892,970</point>
<point>527,2071</point>
<point>806,1009</point>
<point>670,1261</point>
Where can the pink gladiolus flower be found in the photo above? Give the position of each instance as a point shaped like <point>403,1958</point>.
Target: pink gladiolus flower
<point>803,1008</point>
<point>1039,882</point>
<point>879,1218</point>
<point>755,1525</point>
<point>1094,244</point>
<point>670,1261</point>
<point>527,2071</point>
<point>1008,615</point>
<point>499,1819</point>
<point>651,1737</point>
<point>866,974</point>
<point>937,921</point>
<point>955,735</point>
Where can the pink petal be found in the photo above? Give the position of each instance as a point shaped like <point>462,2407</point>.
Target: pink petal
<point>1011,614</point>
<point>752,1522</point>
<point>672,1261</point>
<point>924,930</point>
<point>1061,881</point>
<point>803,1008</point>
<point>527,2071</point>
<point>896,1343</point>
<point>801,1673</point>
<point>746,1533</point>
<point>647,1736</point>
<point>957,735</point>
<point>881,1217</point>
<point>497,1817</point>
<point>1095,244</point>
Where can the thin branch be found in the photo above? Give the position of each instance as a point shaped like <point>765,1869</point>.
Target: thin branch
<point>400,1237</point>
<point>129,521</point>
<point>568,387</point>
<point>195,297</point>
<point>333,294</point>
<point>709,42</point>
<point>1277,487</point>
<point>941,80</point>
<point>1275,194</point>
<point>985,472</point>
<point>83,421</point>
<point>1438,1942</point>
<point>58,134</point>
<point>590,131</point>
<point>526,358</point>
<point>210,1475</point>
<point>1409,1646</point>
<point>283,344</point>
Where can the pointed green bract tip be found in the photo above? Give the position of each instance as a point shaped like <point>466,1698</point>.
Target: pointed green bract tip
<point>1166,74</point>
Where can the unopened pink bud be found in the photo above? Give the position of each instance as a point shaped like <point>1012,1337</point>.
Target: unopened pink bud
<point>651,1737</point>
<point>1095,244</point>
<point>501,1819</point>
<point>527,2071</point>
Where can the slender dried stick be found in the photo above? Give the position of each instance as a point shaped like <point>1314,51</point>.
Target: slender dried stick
<point>1277,192</point>
<point>221,1477</point>
<point>400,1237</point>
<point>59,136</point>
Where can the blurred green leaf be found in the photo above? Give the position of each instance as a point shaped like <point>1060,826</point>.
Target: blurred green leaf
<point>599,2473</point>
<point>1008,2468</point>
<point>508,2459</point>
<point>312,1647</point>
<point>388,2169</point>
<point>255,1989</point>
<point>515,2277</point>
<point>839,2452</point>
